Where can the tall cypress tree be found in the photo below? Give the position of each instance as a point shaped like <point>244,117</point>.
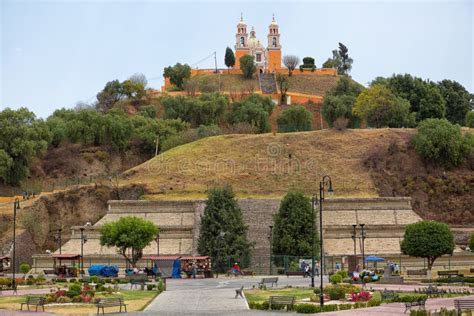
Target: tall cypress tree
<point>294,231</point>
<point>223,215</point>
<point>229,58</point>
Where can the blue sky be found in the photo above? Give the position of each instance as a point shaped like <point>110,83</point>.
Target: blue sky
<point>54,54</point>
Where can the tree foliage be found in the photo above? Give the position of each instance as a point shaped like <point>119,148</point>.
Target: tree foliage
<point>128,233</point>
<point>441,142</point>
<point>340,60</point>
<point>229,58</point>
<point>178,74</point>
<point>22,138</point>
<point>133,89</point>
<point>248,66</point>
<point>379,107</point>
<point>295,119</point>
<point>471,243</point>
<point>207,109</point>
<point>457,101</point>
<point>469,119</point>
<point>223,232</point>
<point>294,227</point>
<point>291,62</point>
<point>254,110</point>
<point>283,83</point>
<point>339,101</point>
<point>427,239</point>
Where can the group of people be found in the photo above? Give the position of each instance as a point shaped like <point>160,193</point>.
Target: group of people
<point>394,268</point>
<point>306,269</point>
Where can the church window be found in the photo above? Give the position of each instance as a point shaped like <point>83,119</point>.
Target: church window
<point>259,57</point>
<point>274,42</point>
<point>242,41</point>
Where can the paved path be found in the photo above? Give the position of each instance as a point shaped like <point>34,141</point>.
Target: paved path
<point>27,292</point>
<point>210,296</point>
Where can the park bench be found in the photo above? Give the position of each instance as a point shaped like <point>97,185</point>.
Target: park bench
<point>110,302</point>
<point>34,301</point>
<point>449,274</point>
<point>292,273</point>
<point>463,304</point>
<point>421,272</point>
<point>420,302</point>
<point>273,280</point>
<point>136,279</point>
<point>287,301</point>
<point>389,295</point>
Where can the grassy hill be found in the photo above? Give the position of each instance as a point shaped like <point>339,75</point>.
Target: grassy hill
<point>267,165</point>
<point>361,163</point>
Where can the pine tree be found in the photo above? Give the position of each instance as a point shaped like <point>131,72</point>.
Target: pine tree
<point>229,58</point>
<point>223,233</point>
<point>294,230</point>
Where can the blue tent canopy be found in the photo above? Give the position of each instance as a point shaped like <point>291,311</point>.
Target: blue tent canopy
<point>374,259</point>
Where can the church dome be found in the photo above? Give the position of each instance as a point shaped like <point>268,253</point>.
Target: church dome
<point>253,42</point>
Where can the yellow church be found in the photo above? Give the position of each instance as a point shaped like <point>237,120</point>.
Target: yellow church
<point>267,59</point>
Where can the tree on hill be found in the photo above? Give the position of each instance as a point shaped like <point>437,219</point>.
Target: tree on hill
<point>295,119</point>
<point>338,102</point>
<point>229,58</point>
<point>340,60</point>
<point>432,105</point>
<point>283,83</point>
<point>22,138</point>
<point>223,233</point>
<point>111,94</point>
<point>440,142</point>
<point>427,239</point>
<point>248,66</point>
<point>379,107</point>
<point>254,110</point>
<point>178,74</point>
<point>130,235</point>
<point>308,62</point>
<point>457,100</point>
<point>294,227</point>
<point>291,62</point>
<point>471,243</point>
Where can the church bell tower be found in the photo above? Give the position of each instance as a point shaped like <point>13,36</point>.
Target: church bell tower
<point>274,47</point>
<point>241,41</point>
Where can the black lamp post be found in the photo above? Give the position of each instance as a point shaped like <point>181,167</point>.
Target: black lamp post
<point>363,244</point>
<point>325,182</point>
<point>158,244</point>
<point>271,247</point>
<point>83,241</point>
<point>313,202</point>
<point>16,206</point>
<point>354,236</point>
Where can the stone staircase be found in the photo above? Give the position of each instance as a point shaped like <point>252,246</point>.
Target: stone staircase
<point>267,83</point>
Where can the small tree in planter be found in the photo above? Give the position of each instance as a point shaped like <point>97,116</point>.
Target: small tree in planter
<point>427,239</point>
<point>25,268</point>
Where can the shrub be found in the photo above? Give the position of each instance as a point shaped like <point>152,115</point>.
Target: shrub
<point>102,155</point>
<point>150,287</point>
<point>94,279</point>
<point>421,312</point>
<point>307,308</point>
<point>343,274</point>
<point>295,119</point>
<point>470,119</point>
<point>254,110</point>
<point>330,308</point>
<point>160,287</point>
<point>441,142</point>
<point>25,268</point>
<point>208,130</point>
<point>64,299</point>
<point>344,306</point>
<point>248,66</point>
<point>335,278</point>
<point>88,157</point>
<point>360,305</point>
<point>74,290</point>
<point>374,302</point>
<point>361,296</point>
<point>413,298</point>
<point>335,292</point>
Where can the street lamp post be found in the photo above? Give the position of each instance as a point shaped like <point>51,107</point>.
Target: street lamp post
<point>325,182</point>
<point>16,206</point>
<point>363,244</point>
<point>313,236</point>
<point>271,247</point>
<point>83,241</point>
<point>354,236</point>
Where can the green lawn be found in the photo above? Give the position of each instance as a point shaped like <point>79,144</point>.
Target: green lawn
<point>257,295</point>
